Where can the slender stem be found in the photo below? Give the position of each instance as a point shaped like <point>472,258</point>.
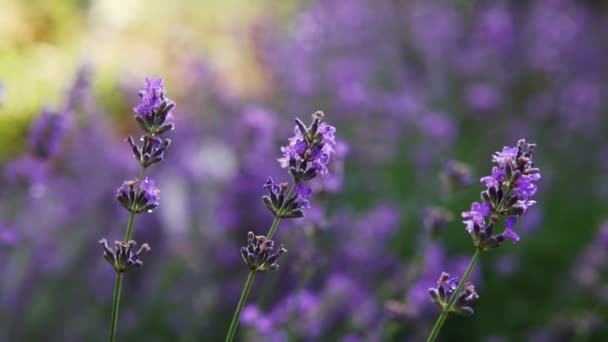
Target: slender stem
<point>239,307</point>
<point>115,305</point>
<point>237,313</point>
<point>118,282</point>
<point>446,309</point>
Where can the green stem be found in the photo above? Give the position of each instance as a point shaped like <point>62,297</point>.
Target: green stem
<point>118,282</point>
<point>237,313</point>
<point>446,309</point>
<point>115,305</point>
<point>239,307</point>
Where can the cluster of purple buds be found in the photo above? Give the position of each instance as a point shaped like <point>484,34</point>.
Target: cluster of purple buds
<point>310,149</point>
<point>508,192</point>
<point>292,207</point>
<point>443,293</point>
<point>123,257</point>
<point>259,253</point>
<point>145,200</point>
<point>154,113</point>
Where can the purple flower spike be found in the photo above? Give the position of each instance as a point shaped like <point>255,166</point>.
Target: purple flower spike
<point>309,150</point>
<point>155,110</point>
<point>307,155</point>
<point>151,97</point>
<point>508,192</point>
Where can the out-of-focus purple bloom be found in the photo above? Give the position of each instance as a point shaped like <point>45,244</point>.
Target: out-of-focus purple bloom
<point>46,134</point>
<point>456,175</point>
<point>482,97</point>
<point>438,127</point>
<point>8,235</point>
<point>435,220</point>
<point>591,268</point>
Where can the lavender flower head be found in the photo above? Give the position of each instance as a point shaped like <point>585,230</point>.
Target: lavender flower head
<point>508,192</point>
<point>124,257</point>
<point>152,97</point>
<point>443,293</point>
<point>155,109</point>
<point>310,149</point>
<point>137,201</point>
<point>307,155</point>
<point>259,255</point>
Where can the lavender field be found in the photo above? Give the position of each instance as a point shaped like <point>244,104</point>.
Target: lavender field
<point>314,170</point>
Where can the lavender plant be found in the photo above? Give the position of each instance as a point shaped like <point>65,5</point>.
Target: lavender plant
<point>306,156</point>
<point>508,194</point>
<point>154,115</point>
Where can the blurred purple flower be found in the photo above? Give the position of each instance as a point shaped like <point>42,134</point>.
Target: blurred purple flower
<point>46,134</point>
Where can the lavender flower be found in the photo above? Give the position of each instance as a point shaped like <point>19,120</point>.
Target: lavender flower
<point>124,257</point>
<point>145,200</point>
<point>307,155</point>
<point>154,110</point>
<point>309,150</point>
<point>508,192</point>
<point>140,194</point>
<point>151,152</point>
<point>258,254</point>
<point>445,290</point>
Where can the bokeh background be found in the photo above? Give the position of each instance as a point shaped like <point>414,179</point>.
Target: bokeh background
<point>411,85</point>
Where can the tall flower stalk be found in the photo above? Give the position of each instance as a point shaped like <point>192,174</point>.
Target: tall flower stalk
<point>306,156</point>
<point>507,195</point>
<point>139,195</point>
